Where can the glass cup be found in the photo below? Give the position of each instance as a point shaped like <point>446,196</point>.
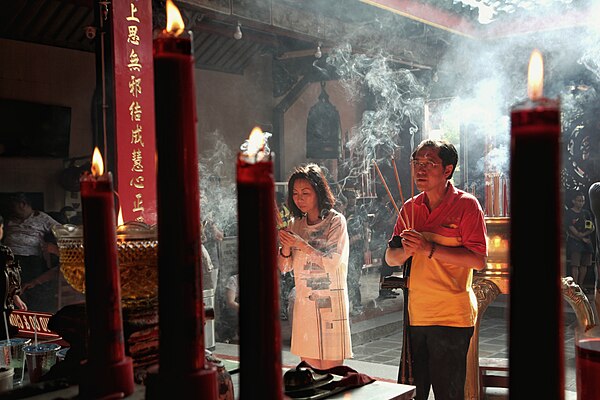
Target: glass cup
<point>39,359</point>
<point>587,363</point>
<point>6,378</point>
<point>11,355</point>
<point>11,352</point>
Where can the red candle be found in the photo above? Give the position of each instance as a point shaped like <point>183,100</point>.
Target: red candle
<point>182,362</point>
<point>488,196</point>
<point>260,332</point>
<point>496,191</point>
<point>504,198</point>
<point>106,360</point>
<point>535,243</point>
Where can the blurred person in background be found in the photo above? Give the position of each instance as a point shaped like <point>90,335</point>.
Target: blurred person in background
<point>383,227</point>
<point>10,284</point>
<point>580,228</point>
<point>28,233</point>
<point>356,219</point>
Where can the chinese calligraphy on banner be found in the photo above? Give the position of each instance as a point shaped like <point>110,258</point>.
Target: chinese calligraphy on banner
<point>134,110</point>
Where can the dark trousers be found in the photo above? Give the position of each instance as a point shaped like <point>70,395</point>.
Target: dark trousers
<point>42,297</point>
<point>439,356</point>
<point>385,270</point>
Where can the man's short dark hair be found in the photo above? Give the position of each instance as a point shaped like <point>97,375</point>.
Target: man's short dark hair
<point>19,197</point>
<point>447,152</point>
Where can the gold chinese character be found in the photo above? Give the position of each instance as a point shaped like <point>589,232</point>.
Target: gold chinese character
<point>132,17</point>
<point>132,35</point>
<point>136,157</point>
<point>137,182</point>
<point>136,136</point>
<point>135,111</point>
<point>138,203</point>
<point>134,61</point>
<point>135,86</point>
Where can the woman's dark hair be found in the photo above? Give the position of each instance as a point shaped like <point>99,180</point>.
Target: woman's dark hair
<point>315,176</point>
<point>447,152</point>
<point>1,220</point>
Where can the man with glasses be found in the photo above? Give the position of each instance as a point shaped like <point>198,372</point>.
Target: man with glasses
<point>443,230</point>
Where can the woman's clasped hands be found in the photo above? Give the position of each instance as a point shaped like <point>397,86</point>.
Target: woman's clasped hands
<point>290,240</point>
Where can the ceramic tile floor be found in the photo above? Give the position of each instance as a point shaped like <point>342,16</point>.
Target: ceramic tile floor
<point>493,342</point>
<point>384,349</point>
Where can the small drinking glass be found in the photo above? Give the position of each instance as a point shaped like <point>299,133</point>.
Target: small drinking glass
<point>39,359</point>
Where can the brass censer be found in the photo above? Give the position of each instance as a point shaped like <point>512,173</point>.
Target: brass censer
<point>137,245</point>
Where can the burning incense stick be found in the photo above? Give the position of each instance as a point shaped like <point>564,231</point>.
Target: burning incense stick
<point>278,219</point>
<point>399,189</point>
<point>282,216</point>
<point>397,179</point>
<point>412,195</point>
<point>388,192</point>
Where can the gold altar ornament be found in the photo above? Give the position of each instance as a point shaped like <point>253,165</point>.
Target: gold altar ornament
<point>137,245</point>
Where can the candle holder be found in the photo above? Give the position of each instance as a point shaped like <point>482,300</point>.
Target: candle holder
<point>137,245</point>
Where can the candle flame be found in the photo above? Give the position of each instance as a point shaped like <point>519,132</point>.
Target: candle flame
<point>256,147</point>
<point>535,81</point>
<point>175,23</point>
<point>256,141</point>
<point>97,163</point>
<point>120,217</point>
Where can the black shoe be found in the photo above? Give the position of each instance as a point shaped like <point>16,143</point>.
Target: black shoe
<point>358,310</point>
<point>387,294</point>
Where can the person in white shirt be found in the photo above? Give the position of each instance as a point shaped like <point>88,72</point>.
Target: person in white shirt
<point>28,233</point>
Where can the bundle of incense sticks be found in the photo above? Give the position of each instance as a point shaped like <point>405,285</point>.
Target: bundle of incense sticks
<point>282,216</point>
<point>400,216</point>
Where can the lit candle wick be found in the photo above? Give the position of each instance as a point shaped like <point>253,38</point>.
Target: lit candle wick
<point>97,163</point>
<point>256,141</point>
<point>255,148</point>
<point>175,25</point>
<point>535,76</point>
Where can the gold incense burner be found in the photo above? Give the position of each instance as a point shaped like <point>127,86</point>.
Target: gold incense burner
<point>137,245</point>
<point>498,261</point>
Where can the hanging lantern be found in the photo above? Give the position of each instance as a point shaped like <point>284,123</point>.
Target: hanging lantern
<point>323,129</point>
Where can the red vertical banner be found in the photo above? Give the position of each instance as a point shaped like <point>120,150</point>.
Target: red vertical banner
<point>134,110</point>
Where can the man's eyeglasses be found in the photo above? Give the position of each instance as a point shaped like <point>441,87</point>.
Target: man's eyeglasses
<point>428,165</point>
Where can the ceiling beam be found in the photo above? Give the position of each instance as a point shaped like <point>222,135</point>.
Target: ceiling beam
<point>549,22</point>
<point>505,26</point>
<point>428,14</point>
<point>295,19</point>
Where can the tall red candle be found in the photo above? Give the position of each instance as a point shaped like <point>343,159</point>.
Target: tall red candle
<point>260,331</point>
<point>504,198</point>
<point>536,324</point>
<point>106,362</point>
<point>182,362</point>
